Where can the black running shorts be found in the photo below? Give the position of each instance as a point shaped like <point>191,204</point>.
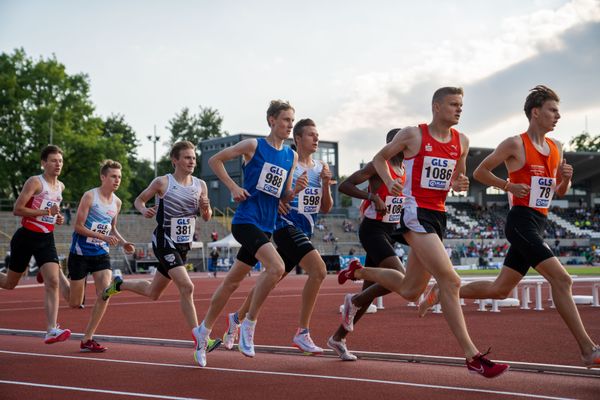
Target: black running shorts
<point>420,220</point>
<point>80,266</point>
<point>169,257</point>
<point>251,238</point>
<point>26,243</point>
<point>375,237</point>
<point>292,245</point>
<point>524,230</point>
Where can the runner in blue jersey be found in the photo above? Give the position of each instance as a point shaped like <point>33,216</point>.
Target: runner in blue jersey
<point>95,230</point>
<point>294,228</point>
<point>267,164</point>
<point>181,197</point>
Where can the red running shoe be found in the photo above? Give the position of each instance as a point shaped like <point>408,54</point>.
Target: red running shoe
<point>91,346</point>
<point>38,277</point>
<point>483,366</point>
<point>57,335</point>
<point>348,273</point>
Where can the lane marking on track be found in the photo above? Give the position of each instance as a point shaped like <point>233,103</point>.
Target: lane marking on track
<point>82,389</point>
<point>130,303</point>
<point>294,374</point>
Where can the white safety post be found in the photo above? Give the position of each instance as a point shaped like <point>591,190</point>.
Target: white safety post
<point>538,296</point>
<point>380,303</point>
<point>595,299</point>
<point>525,297</point>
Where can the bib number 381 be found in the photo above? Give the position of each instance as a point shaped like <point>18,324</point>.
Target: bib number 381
<point>271,179</point>
<point>542,191</point>
<point>182,229</point>
<point>437,172</point>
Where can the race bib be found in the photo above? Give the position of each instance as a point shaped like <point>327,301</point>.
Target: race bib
<point>271,179</point>
<point>182,229</point>
<point>393,206</point>
<point>103,229</point>
<point>437,172</point>
<point>309,200</point>
<point>542,190</point>
<point>46,205</point>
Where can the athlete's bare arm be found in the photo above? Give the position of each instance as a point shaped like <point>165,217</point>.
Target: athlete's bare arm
<point>157,187</point>
<point>205,209</point>
<point>326,199</point>
<point>245,148</point>
<point>127,246</point>
<point>564,173</point>
<point>460,182</point>
<point>32,187</point>
<point>408,141</point>
<point>350,186</point>
<point>301,183</point>
<point>507,152</point>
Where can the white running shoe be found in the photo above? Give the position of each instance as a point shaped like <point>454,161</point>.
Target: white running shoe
<point>232,332</point>
<point>348,313</point>
<point>304,342</point>
<point>246,343</point>
<point>340,349</point>
<point>592,360</point>
<point>57,335</point>
<point>200,335</point>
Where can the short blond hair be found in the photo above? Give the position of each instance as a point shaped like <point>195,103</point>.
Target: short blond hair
<point>109,164</point>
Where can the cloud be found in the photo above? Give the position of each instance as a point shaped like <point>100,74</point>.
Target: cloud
<point>555,47</point>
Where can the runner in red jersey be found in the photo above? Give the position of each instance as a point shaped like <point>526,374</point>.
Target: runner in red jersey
<point>435,161</point>
<point>39,205</point>
<point>536,171</point>
<point>381,212</point>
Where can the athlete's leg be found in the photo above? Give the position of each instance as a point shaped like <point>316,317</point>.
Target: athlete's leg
<point>232,280</point>
<point>562,294</point>
<point>315,267</point>
<point>182,280</point>
<point>75,290</point>
<point>432,256</point>
<point>50,273</point>
<point>500,288</point>
<point>10,279</point>
<point>274,269</point>
<point>101,280</point>
<point>152,290</point>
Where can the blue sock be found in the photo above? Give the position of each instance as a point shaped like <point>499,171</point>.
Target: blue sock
<point>303,331</point>
<point>236,318</point>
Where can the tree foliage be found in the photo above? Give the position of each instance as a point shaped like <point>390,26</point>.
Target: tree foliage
<point>41,103</point>
<point>585,142</point>
<point>196,127</point>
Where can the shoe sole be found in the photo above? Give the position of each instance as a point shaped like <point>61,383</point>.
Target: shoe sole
<point>307,353</point>
<point>60,338</point>
<point>92,351</point>
<point>489,377</point>
<point>215,345</point>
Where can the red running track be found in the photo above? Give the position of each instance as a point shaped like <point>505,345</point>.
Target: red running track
<point>515,335</point>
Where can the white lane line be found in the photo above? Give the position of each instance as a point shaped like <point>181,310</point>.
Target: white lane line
<point>82,389</point>
<point>293,374</point>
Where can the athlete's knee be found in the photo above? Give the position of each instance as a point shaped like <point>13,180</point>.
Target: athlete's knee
<point>186,289</point>
<point>451,284</point>
<point>409,294</point>
<point>319,272</point>
<point>230,285</point>
<point>562,281</point>
<point>51,283</point>
<point>276,269</point>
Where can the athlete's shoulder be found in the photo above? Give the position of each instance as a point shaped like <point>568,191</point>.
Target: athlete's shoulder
<point>557,143</point>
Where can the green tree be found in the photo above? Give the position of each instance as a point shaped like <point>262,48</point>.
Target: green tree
<point>41,103</point>
<point>585,142</point>
<point>196,128</point>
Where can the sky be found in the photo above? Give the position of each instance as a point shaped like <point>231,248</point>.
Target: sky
<point>357,68</point>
